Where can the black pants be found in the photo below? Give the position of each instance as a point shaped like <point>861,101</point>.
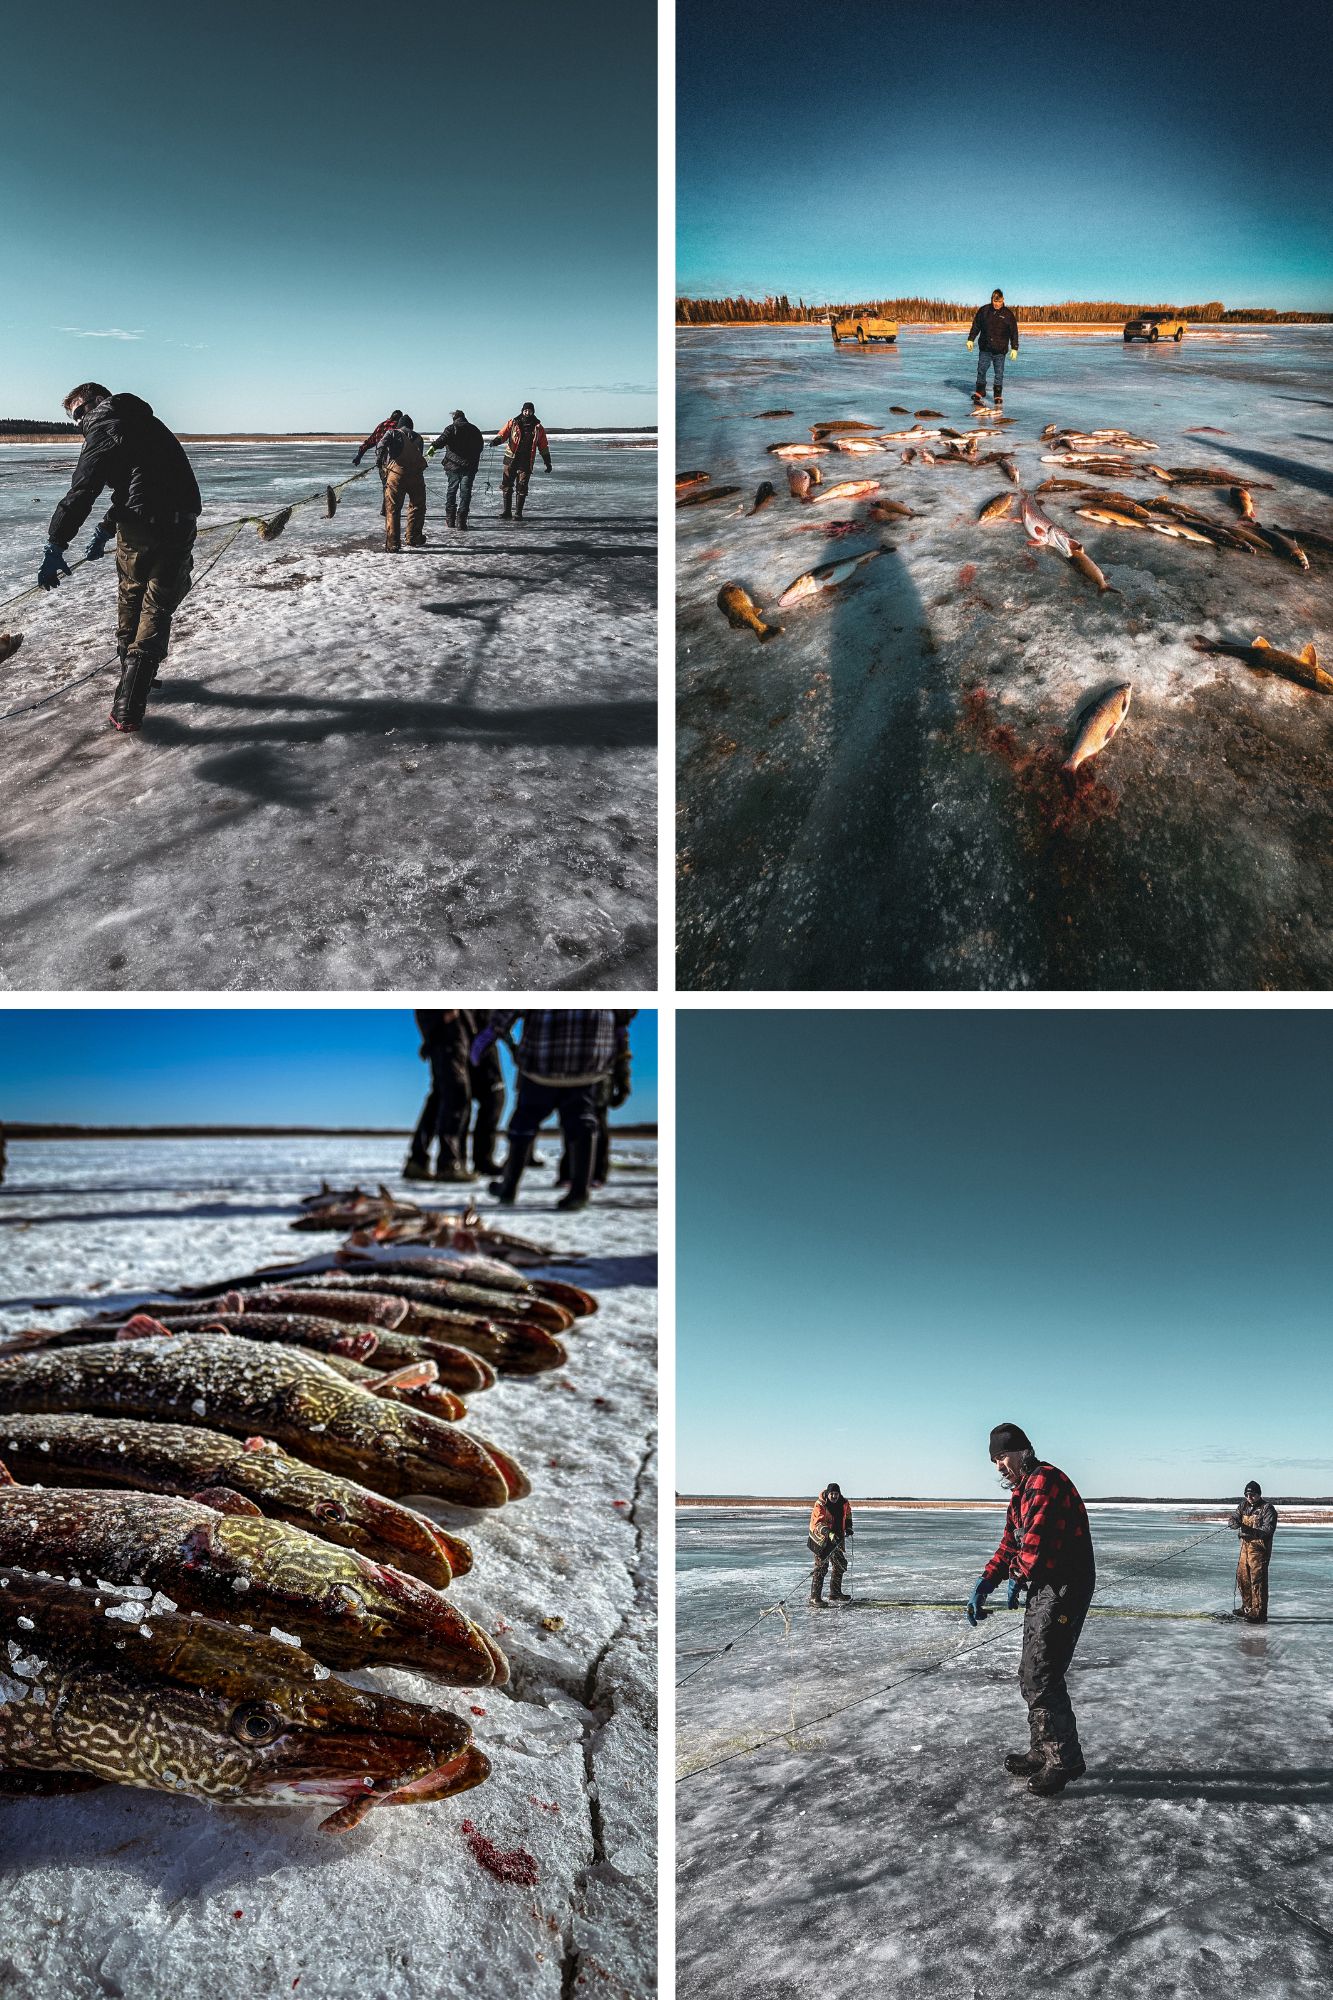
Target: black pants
<point>445,1114</point>
<point>601,1155</point>
<point>1051,1625</point>
<point>488,1094</point>
<point>575,1106</point>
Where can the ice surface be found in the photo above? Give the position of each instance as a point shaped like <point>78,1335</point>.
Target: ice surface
<point>359,770</point>
<point>885,1851</point>
<point>133,1893</point>
<point>873,799</point>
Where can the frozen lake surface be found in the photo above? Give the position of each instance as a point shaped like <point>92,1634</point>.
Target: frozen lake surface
<point>873,799</point>
<point>885,1851</point>
<point>136,1893</point>
<point>358,770</point>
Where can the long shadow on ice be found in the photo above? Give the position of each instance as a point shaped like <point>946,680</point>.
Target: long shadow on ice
<point>308,719</point>
<point>213,1849</point>
<point>1294,469</point>
<point>1303,1785</point>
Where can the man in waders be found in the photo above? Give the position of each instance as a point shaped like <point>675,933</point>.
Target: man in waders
<point>1046,1553</point>
<point>830,1530</point>
<point>401,457</point>
<point>372,442</point>
<point>1255,1521</point>
<point>153,516</point>
<point>563,1055</point>
<point>998,330</point>
<point>522,438</point>
<point>462,444</point>
<point>446,1034</point>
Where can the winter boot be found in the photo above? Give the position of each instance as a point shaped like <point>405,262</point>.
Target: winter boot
<point>416,1168</point>
<point>817,1596</point>
<point>449,518</point>
<point>518,510</point>
<point>837,1595</point>
<point>462,520</point>
<point>1052,1780</point>
<point>978,396</point>
<point>449,1170</point>
<point>505,1189</point>
<point>131,696</point>
<point>1024,1763</point>
<point>580,1172</point>
<point>506,512</point>
<point>999,401</point>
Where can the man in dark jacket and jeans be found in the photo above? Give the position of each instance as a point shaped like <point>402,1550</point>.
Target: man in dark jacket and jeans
<point>564,1053</point>
<point>153,515</point>
<point>462,445</point>
<point>998,330</point>
<point>1046,1553</point>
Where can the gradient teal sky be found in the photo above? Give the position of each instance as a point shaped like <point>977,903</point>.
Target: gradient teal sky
<point>298,216</point>
<point>1161,152</point>
<point>898,1229</point>
<point>246,1066</point>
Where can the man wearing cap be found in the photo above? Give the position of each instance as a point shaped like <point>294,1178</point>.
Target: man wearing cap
<point>1046,1553</point>
<point>830,1526</point>
<point>462,445</point>
<point>997,329</point>
<point>1255,1521</point>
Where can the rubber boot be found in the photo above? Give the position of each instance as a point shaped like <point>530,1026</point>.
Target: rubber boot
<point>1024,1763</point>
<point>518,510</point>
<point>837,1595</point>
<point>415,1168</point>
<point>1047,1784</point>
<point>449,520</point>
<point>580,1172</point>
<point>506,512</point>
<point>131,696</point>
<point>817,1596</point>
<point>505,1189</point>
<point>448,1170</point>
<point>462,520</point>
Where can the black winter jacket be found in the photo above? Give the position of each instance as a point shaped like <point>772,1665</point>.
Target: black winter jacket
<point>997,326</point>
<point>130,450</point>
<point>462,445</point>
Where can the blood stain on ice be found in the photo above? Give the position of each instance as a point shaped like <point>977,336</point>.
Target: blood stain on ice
<point>514,1864</point>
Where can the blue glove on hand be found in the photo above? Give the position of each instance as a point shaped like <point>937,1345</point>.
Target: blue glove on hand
<point>357,459</point>
<point>978,1598</point>
<point>1018,1590</point>
<point>53,567</point>
<point>480,1045</point>
<point>97,546</point>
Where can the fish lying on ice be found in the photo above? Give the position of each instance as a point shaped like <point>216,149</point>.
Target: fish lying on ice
<point>847,489</point>
<point>1176,531</point>
<point>838,426</point>
<point>9,645</point>
<point>802,480</point>
<point>254,1476</point>
<point>889,510</point>
<point>1098,725</point>
<point>1085,566</point>
<point>928,413</point>
<point>827,577</point>
<point>1009,467</point>
<point>684,481</point>
<point>742,611</point>
<point>998,509</point>
<point>764,492</point>
<point>100,1689</point>
<point>1041,530</point>
<point>1208,475</point>
<point>1283,545</point>
<point>857,447</point>
<point>774,413</point>
<point>797,450</point>
<point>1302,667</point>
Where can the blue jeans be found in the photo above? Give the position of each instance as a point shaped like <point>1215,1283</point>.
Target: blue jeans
<point>457,492</point>
<point>988,358</point>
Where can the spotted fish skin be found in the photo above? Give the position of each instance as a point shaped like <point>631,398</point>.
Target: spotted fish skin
<point>1098,725</point>
<point>282,1393</point>
<point>191,1706</point>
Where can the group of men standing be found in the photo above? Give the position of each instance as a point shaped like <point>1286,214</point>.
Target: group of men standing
<point>571,1061</point>
<point>402,455</point>
<point>1045,1560</point>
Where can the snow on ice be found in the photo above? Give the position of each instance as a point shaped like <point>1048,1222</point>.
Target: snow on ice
<point>885,1851</point>
<point>358,770</point>
<point>133,1892</point>
<point>873,799</point>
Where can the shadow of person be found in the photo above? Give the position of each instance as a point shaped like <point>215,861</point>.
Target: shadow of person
<point>1294,469</point>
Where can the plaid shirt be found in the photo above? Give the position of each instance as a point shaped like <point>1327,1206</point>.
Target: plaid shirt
<point>1046,1535</point>
<point>567,1041</point>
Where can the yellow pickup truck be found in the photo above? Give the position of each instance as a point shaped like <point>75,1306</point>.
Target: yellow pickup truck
<point>862,330</point>
<point>1155,326</point>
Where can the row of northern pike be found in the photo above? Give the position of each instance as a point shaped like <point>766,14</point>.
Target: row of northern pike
<point>201,1516</point>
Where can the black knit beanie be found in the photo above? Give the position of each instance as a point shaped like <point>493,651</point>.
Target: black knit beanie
<point>1008,1437</point>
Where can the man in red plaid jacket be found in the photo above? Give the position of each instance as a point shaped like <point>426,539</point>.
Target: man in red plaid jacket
<point>1046,1553</point>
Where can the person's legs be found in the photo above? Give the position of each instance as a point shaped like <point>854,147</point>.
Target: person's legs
<point>578,1121</point>
<point>393,509</point>
<point>533,1103</point>
<point>170,567</point>
<point>982,360</point>
<point>836,1594</point>
<point>817,1576</point>
<point>521,477</point>
<point>132,570</point>
<point>1051,1626</point>
<point>997,361</point>
<point>451,1120</point>
<point>507,487</point>
<point>451,479</point>
<point>1251,1575</point>
<point>414,486</point>
<point>1261,1555</point>
<point>488,1094</point>
<point>418,1152</point>
<point>465,480</point>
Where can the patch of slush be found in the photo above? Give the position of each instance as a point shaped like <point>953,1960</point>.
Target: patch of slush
<point>885,1850</point>
<point>872,800</point>
<point>359,771</point>
<point>131,1892</point>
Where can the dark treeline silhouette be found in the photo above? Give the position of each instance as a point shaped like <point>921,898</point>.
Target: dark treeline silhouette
<point>779,308</point>
<point>25,426</point>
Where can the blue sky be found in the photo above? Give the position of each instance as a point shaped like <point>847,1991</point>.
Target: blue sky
<point>898,1229</point>
<point>296,216</point>
<point>264,1066</point>
<point>1175,152</point>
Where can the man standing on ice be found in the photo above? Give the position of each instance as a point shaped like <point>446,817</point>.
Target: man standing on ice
<point>830,1529</point>
<point>153,515</point>
<point>401,458</point>
<point>1046,1553</point>
<point>1255,1521</point>
<point>372,442</point>
<point>564,1053</point>
<point>522,438</point>
<point>998,330</point>
<point>463,444</point>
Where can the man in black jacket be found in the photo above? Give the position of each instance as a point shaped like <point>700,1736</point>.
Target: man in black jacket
<point>153,515</point>
<point>999,336</point>
<point>462,444</point>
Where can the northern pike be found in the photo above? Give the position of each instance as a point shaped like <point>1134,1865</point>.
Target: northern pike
<point>254,1477</point>
<point>1009,467</point>
<point>889,510</point>
<point>837,427</point>
<point>270,530</point>
<point>1174,530</point>
<point>775,413</point>
<point>513,1345</point>
<point>1042,531</point>
<point>846,489</point>
<point>1310,538</point>
<point>483,1278</point>
<point>95,1692</point>
<point>246,1568</point>
<point>9,645</point>
<point>1283,545</point>
<point>1302,667</point>
<point>827,577</point>
<point>1098,725</point>
<point>742,611</point>
<point>1209,475</point>
<point>1085,566</point>
<point>707,496</point>
<point>1000,508</point>
<point>857,447</point>
<point>685,480</point>
<point>918,434</point>
<point>796,450</point>
<point>898,410</point>
<point>330,502</point>
<point>764,492</point>
<point>283,1393</point>
<point>929,413</point>
<point>460,1229</point>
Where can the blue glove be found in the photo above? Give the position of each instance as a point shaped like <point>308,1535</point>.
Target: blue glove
<point>1019,1586</point>
<point>981,1592</point>
<point>357,459</point>
<point>53,567</point>
<point>480,1045</point>
<point>97,546</point>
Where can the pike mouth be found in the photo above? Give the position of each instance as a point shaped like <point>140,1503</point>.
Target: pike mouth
<point>457,1774</point>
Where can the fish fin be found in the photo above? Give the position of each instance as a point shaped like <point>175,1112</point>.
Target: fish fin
<point>6,1476</point>
<point>1264,643</point>
<point>232,1302</point>
<point>142,1326</point>
<point>260,1444</point>
<point>1309,655</point>
<point>226,1500</point>
<point>416,1375</point>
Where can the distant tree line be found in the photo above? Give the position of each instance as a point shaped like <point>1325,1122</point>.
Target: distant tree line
<point>25,426</point>
<point>778,308</point>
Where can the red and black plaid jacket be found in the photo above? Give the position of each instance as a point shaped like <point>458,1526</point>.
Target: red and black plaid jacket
<point>1046,1535</point>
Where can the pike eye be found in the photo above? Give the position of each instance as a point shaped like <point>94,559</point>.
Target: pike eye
<point>255,1724</point>
<point>330,1510</point>
<point>343,1602</point>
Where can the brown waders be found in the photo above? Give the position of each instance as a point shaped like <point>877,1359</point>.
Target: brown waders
<point>1252,1580</point>
<point>152,575</point>
<point>834,1557</point>
<point>399,485</point>
<point>514,481</point>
